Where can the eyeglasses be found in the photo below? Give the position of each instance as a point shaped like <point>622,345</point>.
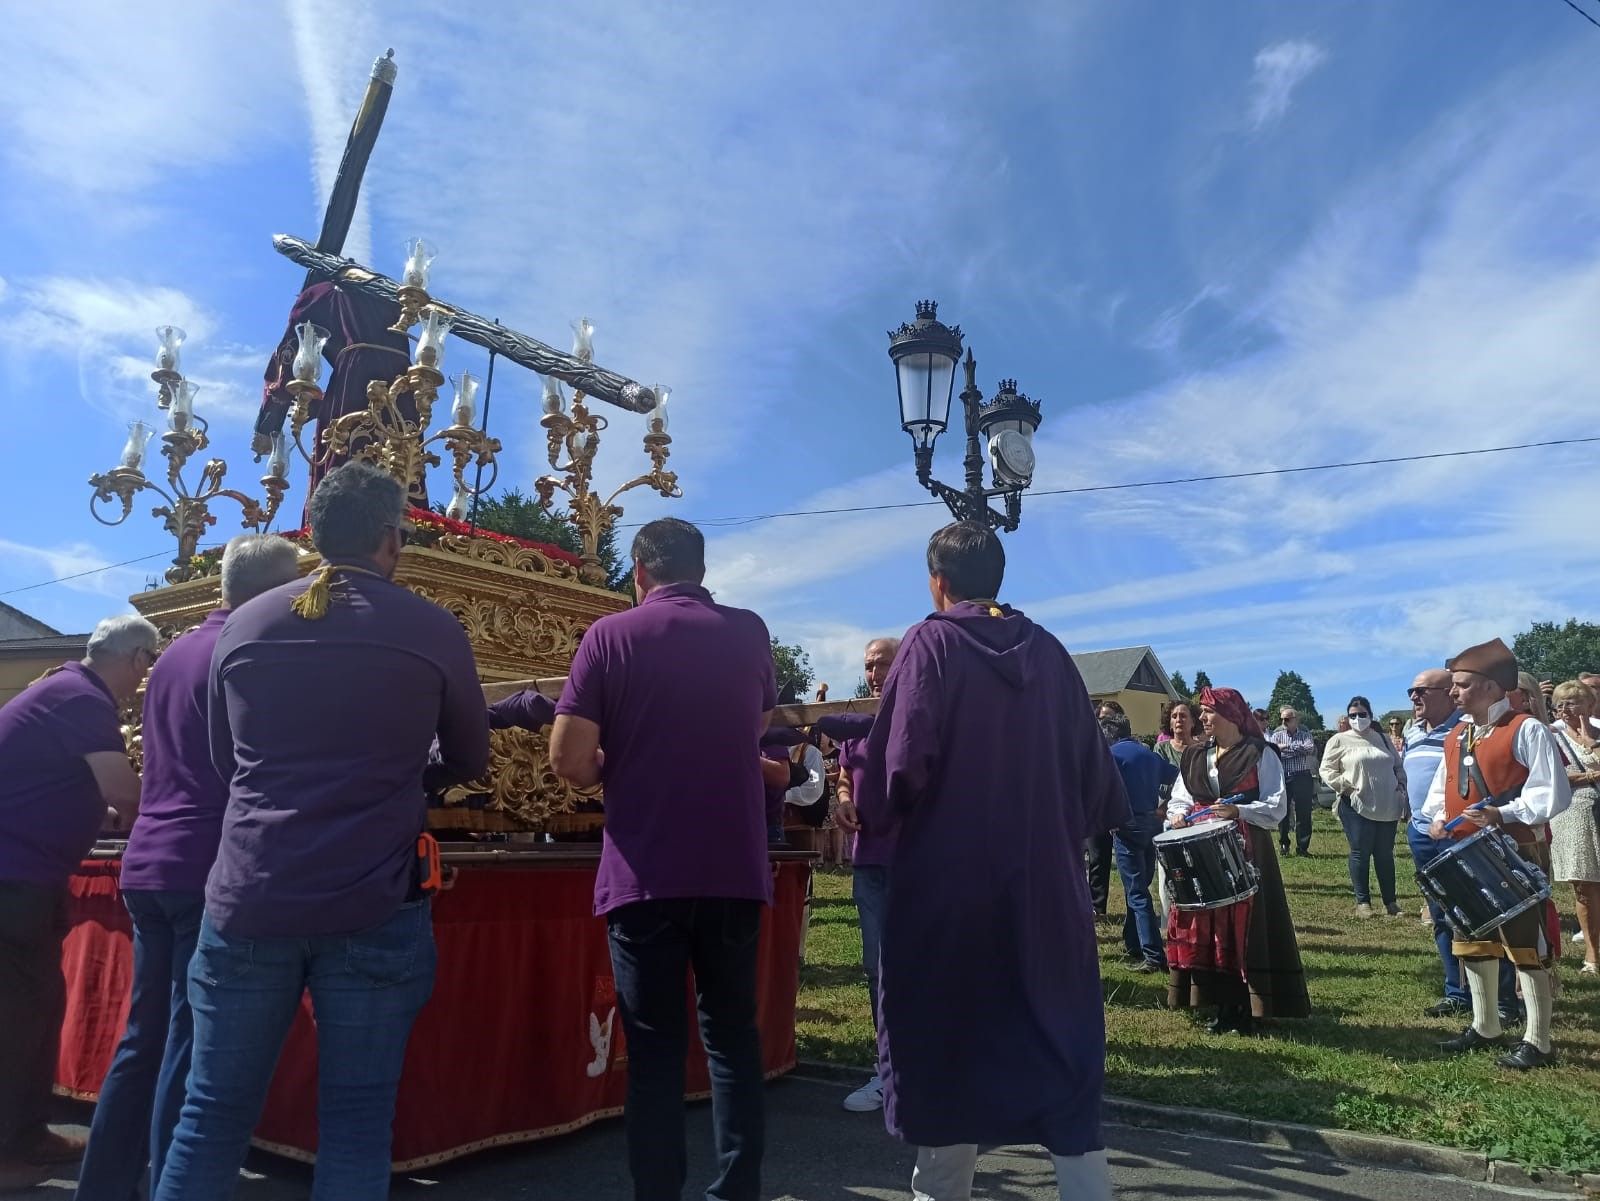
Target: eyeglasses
<point>1413,693</point>
<point>1358,714</point>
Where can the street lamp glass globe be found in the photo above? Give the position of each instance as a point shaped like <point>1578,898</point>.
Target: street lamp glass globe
<point>925,353</point>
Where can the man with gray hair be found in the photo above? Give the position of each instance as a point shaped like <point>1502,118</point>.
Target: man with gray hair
<point>63,765</point>
<point>325,697</point>
<point>163,881</point>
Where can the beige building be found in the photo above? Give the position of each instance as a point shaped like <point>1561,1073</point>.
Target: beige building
<point>1134,678</point>
<point>29,648</point>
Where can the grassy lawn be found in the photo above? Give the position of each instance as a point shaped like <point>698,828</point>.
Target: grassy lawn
<point>1364,1061</point>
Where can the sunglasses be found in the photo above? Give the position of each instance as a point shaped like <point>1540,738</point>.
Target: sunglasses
<point>1358,714</point>
<point>1416,692</point>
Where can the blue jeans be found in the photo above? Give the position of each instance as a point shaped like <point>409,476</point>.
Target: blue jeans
<point>143,1093</point>
<point>869,888</point>
<point>1423,848</point>
<point>366,991</point>
<point>1136,864</point>
<point>653,946</point>
<point>1371,847</point>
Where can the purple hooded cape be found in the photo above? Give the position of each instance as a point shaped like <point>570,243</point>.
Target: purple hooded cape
<point>991,1020</point>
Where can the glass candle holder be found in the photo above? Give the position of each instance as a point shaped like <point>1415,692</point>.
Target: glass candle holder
<point>656,420</point>
<point>180,417</point>
<point>308,357</point>
<point>278,457</point>
<point>555,402</point>
<point>460,504</point>
<point>430,342</point>
<point>464,412</point>
<point>139,435</point>
<point>419,263</point>
<point>583,340</point>
<point>167,356</point>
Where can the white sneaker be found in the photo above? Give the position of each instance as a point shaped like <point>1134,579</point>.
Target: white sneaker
<point>866,1098</point>
<point>1578,936</point>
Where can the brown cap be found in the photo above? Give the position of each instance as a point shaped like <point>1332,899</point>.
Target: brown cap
<point>1492,659</point>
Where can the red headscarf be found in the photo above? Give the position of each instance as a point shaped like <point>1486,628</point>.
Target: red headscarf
<point>1230,703</point>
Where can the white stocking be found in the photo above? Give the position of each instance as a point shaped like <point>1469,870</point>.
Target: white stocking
<point>944,1173</point>
<point>1537,994</point>
<point>1483,979</point>
<point>1083,1177</point>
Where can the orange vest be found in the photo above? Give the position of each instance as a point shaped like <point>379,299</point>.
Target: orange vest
<point>1501,772</point>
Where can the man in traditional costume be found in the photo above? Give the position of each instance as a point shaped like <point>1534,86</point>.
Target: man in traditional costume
<point>1501,769</point>
<point>871,849</point>
<point>986,753</point>
<point>1242,958</point>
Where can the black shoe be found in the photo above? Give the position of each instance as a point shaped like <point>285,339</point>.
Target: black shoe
<point>1524,1056</point>
<point>1303,853</point>
<point>1469,1040</point>
<point>1513,1018</point>
<point>1447,1008</point>
<point>1283,848</point>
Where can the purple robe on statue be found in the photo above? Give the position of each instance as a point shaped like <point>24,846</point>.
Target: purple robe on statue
<point>361,348</point>
<point>991,1020</point>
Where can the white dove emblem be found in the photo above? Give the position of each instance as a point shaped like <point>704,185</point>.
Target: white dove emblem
<point>600,1040</point>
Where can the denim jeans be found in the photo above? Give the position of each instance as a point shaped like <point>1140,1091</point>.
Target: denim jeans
<point>1301,788</point>
<point>366,991</point>
<point>33,1001</point>
<point>1423,848</point>
<point>869,888</point>
<point>1371,849</point>
<point>653,946</point>
<point>1136,864</point>
<point>143,1093</point>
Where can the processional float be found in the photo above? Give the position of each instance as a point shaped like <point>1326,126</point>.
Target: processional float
<point>524,605</point>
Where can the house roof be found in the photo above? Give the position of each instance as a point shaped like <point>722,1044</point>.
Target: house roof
<point>1110,671</point>
<point>34,627</point>
<point>67,646</point>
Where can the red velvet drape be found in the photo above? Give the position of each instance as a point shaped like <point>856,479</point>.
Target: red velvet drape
<point>504,1052</point>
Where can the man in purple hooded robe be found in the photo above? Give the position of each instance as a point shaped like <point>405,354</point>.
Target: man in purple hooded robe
<point>991,1021</point>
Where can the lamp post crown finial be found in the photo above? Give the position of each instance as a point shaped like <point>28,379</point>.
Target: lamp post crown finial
<point>927,310</point>
<point>1008,385</point>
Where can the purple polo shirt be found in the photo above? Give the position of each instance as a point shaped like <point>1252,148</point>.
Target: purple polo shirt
<point>873,847</point>
<point>322,729</point>
<point>50,806</point>
<point>174,840</point>
<point>678,686</point>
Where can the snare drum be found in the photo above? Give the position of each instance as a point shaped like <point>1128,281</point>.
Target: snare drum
<point>1206,866</point>
<point>1482,882</point>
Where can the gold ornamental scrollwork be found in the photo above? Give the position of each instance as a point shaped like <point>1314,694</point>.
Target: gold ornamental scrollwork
<point>506,554</point>
<point>523,630</point>
<point>521,782</point>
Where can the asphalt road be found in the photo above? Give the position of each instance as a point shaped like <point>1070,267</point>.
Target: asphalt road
<point>817,1152</point>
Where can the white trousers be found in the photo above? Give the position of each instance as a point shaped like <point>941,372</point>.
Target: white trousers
<point>945,1174</point>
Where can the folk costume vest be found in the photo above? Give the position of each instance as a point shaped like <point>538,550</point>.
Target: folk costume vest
<point>1236,772</point>
<point>1493,754</point>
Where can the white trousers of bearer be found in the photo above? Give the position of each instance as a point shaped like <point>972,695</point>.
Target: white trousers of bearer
<point>945,1174</point>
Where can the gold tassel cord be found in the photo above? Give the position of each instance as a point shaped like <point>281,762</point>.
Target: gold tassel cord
<point>312,604</point>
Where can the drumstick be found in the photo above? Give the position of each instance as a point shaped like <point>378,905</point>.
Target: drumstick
<point>1454,822</point>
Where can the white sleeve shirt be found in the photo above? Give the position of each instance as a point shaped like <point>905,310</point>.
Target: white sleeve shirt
<point>1266,812</point>
<point>1546,792</point>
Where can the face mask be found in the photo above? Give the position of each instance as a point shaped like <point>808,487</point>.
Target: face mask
<point>1360,724</point>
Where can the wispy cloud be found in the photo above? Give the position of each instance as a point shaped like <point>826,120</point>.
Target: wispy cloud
<point>1280,69</point>
<point>92,571</point>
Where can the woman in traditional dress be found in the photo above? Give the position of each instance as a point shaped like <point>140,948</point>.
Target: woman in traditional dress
<point>1180,727</point>
<point>1243,958</point>
<point>1574,837</point>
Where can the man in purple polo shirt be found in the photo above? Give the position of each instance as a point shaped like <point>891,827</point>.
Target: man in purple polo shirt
<point>163,881</point>
<point>62,765</point>
<point>325,698</point>
<point>666,704</point>
<point>871,852</point>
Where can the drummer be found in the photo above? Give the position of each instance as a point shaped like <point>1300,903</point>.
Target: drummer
<point>1243,958</point>
<point>1513,758</point>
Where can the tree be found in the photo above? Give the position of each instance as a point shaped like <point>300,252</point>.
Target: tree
<point>1180,686</point>
<point>794,669</point>
<point>1292,692</point>
<point>522,516</point>
<point>863,689</point>
<point>1559,653</point>
<point>1201,680</point>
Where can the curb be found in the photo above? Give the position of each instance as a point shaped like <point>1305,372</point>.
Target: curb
<point>1371,1149</point>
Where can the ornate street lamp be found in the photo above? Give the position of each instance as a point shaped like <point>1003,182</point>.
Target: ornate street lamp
<point>925,353</point>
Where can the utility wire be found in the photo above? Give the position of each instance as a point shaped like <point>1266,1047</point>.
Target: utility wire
<point>1581,13</point>
<point>729,522</point>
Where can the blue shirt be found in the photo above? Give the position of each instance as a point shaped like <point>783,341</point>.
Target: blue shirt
<point>1143,774</point>
<point>1423,754</point>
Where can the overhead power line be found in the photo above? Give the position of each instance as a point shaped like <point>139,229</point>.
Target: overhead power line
<point>1573,6</point>
<point>1217,477</point>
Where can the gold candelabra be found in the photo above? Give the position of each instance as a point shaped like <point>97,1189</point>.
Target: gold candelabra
<point>578,433</point>
<point>187,512</point>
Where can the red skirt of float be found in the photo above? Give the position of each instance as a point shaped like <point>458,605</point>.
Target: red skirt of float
<point>505,1051</point>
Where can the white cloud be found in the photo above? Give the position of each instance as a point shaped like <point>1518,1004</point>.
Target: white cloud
<point>93,572</point>
<point>1280,68</point>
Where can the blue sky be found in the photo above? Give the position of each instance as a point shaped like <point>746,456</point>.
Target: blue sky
<point>1210,237</point>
